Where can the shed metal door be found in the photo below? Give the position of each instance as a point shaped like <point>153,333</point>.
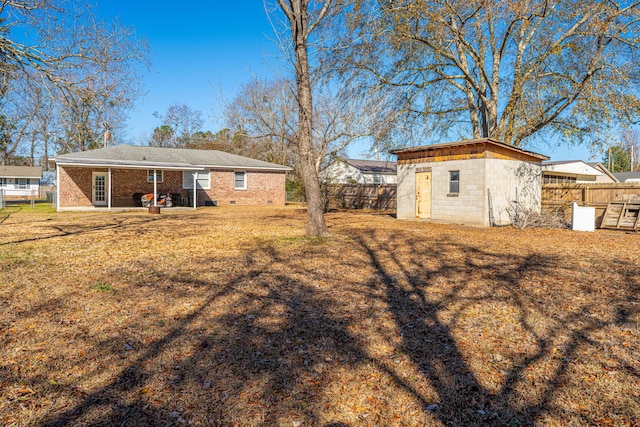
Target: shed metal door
<point>423,195</point>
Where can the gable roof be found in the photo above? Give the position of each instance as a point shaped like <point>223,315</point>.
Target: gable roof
<point>20,172</point>
<point>574,167</point>
<point>604,170</point>
<point>139,157</point>
<point>483,142</point>
<point>373,166</point>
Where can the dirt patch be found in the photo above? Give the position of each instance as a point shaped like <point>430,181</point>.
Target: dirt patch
<point>231,316</point>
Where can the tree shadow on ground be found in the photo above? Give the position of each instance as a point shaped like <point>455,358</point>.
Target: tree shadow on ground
<point>418,313</point>
<point>266,342</point>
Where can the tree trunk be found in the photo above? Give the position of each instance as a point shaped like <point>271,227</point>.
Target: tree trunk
<point>297,13</point>
<point>316,225</point>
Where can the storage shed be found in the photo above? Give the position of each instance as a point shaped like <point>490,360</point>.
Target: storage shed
<point>474,182</point>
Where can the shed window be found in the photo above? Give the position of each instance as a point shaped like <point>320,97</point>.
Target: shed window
<point>240,180</point>
<point>159,176</point>
<point>454,182</point>
<point>203,180</point>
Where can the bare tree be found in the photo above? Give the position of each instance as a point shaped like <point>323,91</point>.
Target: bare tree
<point>303,16</point>
<point>180,125</point>
<point>44,124</point>
<point>265,111</point>
<point>88,69</point>
<point>623,155</point>
<point>509,70</point>
<point>630,140</point>
<point>16,122</point>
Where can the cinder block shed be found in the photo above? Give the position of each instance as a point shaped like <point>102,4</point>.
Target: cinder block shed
<point>474,182</point>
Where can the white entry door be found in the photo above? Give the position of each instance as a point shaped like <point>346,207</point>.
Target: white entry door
<point>99,189</point>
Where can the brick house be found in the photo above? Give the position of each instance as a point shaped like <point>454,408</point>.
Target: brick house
<point>117,176</point>
<point>475,182</point>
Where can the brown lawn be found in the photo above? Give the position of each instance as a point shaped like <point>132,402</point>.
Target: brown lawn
<point>231,317</point>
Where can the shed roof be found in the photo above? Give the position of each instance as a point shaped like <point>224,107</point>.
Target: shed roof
<point>20,171</point>
<point>486,142</point>
<point>163,158</point>
<point>373,166</point>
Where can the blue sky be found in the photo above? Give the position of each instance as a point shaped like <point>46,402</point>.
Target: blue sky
<point>200,51</point>
<point>203,51</point>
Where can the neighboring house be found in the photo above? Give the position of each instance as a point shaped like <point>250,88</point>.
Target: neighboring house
<point>628,176</point>
<point>352,171</point>
<point>604,170</point>
<point>117,176</point>
<point>575,172</point>
<point>20,181</point>
<point>475,182</point>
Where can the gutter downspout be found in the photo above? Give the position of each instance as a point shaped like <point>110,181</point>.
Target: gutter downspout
<point>57,188</point>
<point>195,180</point>
<point>109,190</point>
<point>155,188</point>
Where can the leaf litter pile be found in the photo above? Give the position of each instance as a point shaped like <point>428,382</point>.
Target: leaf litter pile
<point>230,316</point>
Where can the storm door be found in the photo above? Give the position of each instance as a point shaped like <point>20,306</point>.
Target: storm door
<point>99,189</point>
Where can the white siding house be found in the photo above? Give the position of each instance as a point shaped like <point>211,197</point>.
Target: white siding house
<point>472,182</point>
<point>20,181</point>
<point>352,171</point>
<point>575,172</point>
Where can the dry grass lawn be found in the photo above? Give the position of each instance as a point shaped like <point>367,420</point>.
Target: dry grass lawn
<point>229,316</point>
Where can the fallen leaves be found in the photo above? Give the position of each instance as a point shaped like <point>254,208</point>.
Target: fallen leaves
<point>230,316</point>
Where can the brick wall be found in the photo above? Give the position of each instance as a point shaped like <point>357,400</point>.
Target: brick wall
<point>75,186</point>
<point>262,187</point>
<point>127,182</point>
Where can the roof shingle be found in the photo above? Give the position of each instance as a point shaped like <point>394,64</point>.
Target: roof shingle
<point>158,156</point>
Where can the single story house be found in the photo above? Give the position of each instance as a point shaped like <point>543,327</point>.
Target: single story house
<point>20,181</point>
<point>352,171</point>
<point>475,182</point>
<point>575,172</point>
<point>628,176</point>
<point>117,176</point>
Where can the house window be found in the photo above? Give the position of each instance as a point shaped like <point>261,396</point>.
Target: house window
<point>240,180</point>
<point>4,182</point>
<point>22,184</point>
<point>454,182</point>
<point>377,179</point>
<point>159,176</point>
<point>203,180</point>
<point>559,179</point>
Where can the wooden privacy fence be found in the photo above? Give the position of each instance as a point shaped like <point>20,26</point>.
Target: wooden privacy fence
<point>561,196</point>
<point>363,196</point>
